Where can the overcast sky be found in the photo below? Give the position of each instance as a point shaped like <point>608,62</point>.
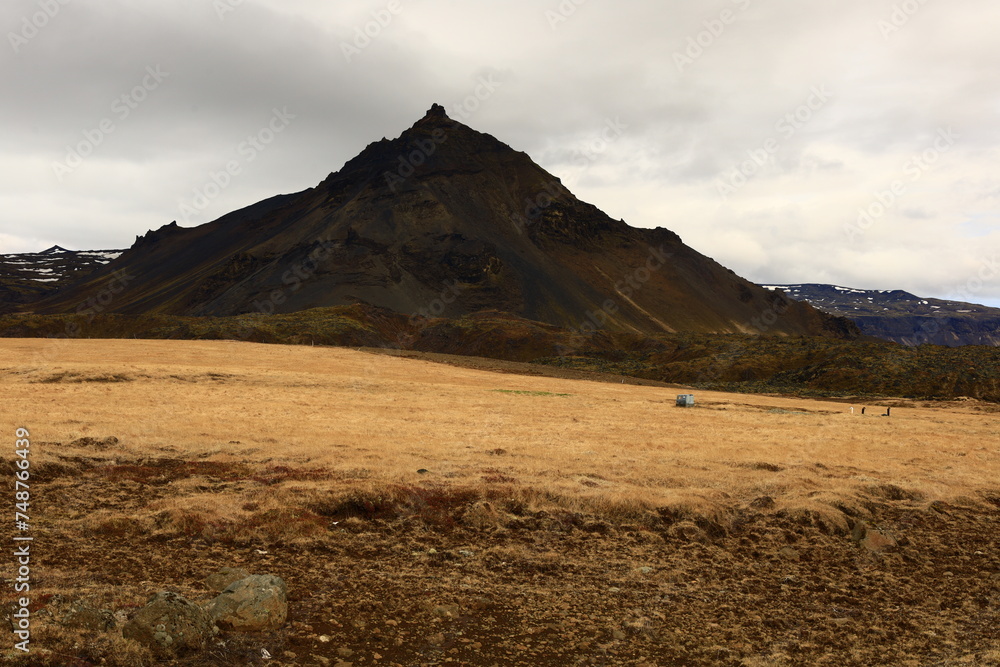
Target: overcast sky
<point>756,129</point>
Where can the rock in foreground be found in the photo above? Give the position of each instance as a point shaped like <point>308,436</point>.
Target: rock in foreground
<point>170,625</point>
<point>255,604</point>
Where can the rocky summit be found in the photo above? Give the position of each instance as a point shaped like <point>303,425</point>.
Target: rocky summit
<point>442,221</point>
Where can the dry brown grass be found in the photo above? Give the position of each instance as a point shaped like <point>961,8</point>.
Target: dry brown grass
<point>316,420</point>
<point>249,446</point>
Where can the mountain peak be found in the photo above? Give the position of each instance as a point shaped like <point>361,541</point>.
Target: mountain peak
<point>435,117</point>
<point>443,206</point>
<point>436,111</point>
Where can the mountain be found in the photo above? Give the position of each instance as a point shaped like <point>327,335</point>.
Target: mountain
<point>442,221</point>
<point>30,276</point>
<point>903,317</point>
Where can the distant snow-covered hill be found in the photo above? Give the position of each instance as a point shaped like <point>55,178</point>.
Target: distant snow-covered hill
<point>903,317</point>
<point>26,277</point>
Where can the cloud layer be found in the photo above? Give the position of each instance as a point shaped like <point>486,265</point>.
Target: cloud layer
<point>853,143</point>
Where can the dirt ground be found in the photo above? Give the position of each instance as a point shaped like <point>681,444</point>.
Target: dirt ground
<point>412,528</point>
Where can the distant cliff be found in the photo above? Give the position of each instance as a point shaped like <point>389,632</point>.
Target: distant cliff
<point>903,317</point>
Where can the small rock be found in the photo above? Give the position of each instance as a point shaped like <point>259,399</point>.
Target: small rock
<point>877,541</point>
<point>646,570</point>
<point>789,553</point>
<point>873,540</point>
<point>447,611</point>
<point>688,531</point>
<point>345,652</point>
<point>254,604</point>
<point>859,530</point>
<point>170,625</point>
<point>83,616</point>
<point>222,579</point>
<point>436,640</point>
<point>326,639</point>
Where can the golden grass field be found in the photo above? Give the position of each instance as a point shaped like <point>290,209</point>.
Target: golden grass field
<point>377,419</point>
<point>267,428</point>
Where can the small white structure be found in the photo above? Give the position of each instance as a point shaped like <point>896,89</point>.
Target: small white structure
<point>685,400</point>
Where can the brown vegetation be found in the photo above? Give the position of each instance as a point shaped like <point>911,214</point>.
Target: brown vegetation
<point>733,532</point>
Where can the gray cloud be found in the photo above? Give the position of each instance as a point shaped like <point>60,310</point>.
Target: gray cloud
<point>702,89</point>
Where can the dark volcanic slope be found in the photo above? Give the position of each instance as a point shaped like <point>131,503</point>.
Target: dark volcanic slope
<point>448,221</point>
<point>27,277</point>
<point>902,317</point>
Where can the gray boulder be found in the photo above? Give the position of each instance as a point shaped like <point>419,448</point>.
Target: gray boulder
<point>254,604</point>
<point>222,579</point>
<point>170,625</point>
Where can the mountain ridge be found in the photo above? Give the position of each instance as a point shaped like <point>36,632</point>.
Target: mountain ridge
<point>30,276</point>
<point>902,317</point>
<point>443,207</point>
